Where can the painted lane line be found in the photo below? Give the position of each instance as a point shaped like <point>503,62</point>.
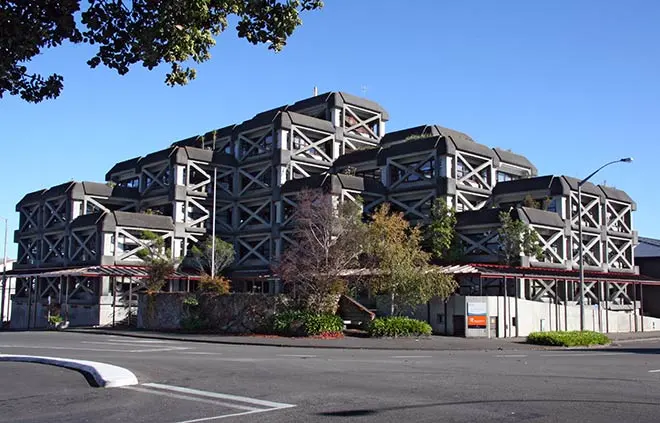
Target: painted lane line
<point>297,355</point>
<point>411,356</point>
<point>105,375</point>
<point>159,349</point>
<point>94,349</point>
<point>200,353</point>
<point>247,400</point>
<point>121,344</point>
<point>654,371</point>
<point>190,398</point>
<point>137,341</point>
<point>224,416</point>
<point>511,355</point>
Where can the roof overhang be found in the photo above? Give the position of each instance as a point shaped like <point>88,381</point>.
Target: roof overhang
<point>94,271</point>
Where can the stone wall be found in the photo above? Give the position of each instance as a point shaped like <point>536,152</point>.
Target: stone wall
<point>233,313</point>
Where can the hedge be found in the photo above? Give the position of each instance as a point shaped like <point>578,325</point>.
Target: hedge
<point>398,326</point>
<point>568,339</point>
<point>304,323</point>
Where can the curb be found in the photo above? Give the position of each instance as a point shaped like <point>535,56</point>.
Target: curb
<point>287,345</point>
<point>104,375</point>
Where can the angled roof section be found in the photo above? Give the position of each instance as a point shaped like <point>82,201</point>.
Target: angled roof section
<point>552,184</point>
<point>506,156</point>
<point>647,248</point>
<point>141,220</point>
<point>540,217</point>
<point>123,166</point>
<point>339,99</point>
<point>478,217</point>
<point>421,131</point>
<point>358,156</point>
<point>334,183</point>
<point>617,195</point>
<point>32,197</point>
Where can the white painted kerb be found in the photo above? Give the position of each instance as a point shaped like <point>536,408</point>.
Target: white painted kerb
<point>105,375</point>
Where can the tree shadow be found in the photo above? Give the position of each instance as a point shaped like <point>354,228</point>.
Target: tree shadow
<point>371,411</point>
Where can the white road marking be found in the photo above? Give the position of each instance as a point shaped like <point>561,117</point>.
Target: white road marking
<point>200,353</point>
<point>93,349</point>
<point>411,356</point>
<point>138,341</point>
<point>511,355</point>
<point>296,355</point>
<point>189,398</point>
<point>118,343</point>
<point>209,394</point>
<point>206,419</point>
<point>160,349</point>
<point>654,371</point>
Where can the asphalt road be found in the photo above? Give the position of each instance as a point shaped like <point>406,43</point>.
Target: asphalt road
<point>195,382</point>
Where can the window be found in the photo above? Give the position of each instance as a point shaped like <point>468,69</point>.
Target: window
<point>460,170</point>
<point>504,177</point>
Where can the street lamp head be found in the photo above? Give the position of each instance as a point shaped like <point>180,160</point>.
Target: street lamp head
<point>627,160</point>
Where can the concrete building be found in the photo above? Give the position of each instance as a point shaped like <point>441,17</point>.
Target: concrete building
<point>78,242</point>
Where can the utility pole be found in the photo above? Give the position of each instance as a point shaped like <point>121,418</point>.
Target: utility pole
<point>215,181</point>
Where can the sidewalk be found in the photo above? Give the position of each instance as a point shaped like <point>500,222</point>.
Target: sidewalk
<point>433,343</point>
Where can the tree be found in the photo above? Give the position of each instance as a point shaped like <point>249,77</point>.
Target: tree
<point>328,241</point>
<point>161,266</point>
<point>145,32</point>
<point>401,267</point>
<point>517,238</point>
<point>440,234</point>
<point>203,255</point>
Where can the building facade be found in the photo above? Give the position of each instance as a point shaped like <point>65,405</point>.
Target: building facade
<point>78,242</point>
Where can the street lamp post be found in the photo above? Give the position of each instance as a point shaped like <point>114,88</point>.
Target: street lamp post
<point>581,256</point>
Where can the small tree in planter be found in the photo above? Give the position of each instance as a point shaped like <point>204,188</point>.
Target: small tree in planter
<point>516,239</point>
<point>401,267</point>
<point>158,260</point>
<point>213,260</point>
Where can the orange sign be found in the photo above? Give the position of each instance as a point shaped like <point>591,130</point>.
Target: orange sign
<point>477,322</point>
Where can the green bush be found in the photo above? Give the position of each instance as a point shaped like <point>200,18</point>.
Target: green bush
<point>398,326</point>
<point>568,339</point>
<point>303,323</point>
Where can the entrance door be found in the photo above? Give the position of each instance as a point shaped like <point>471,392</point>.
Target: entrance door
<point>493,326</point>
<point>459,325</point>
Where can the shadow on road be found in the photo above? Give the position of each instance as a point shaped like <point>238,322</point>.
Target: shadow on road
<point>615,349</point>
<point>371,411</point>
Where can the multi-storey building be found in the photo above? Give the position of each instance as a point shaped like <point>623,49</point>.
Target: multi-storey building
<point>79,242</point>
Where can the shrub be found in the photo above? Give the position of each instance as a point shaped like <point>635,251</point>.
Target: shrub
<point>303,323</point>
<point>398,326</point>
<point>216,285</point>
<point>568,339</point>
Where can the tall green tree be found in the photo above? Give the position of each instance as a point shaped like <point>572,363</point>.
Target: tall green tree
<point>400,267</point>
<point>517,239</point>
<point>126,33</point>
<point>440,234</point>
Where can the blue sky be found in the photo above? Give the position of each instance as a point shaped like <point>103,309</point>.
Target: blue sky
<point>570,84</point>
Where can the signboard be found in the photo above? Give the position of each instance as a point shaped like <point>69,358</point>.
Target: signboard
<point>477,322</point>
<point>477,315</point>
